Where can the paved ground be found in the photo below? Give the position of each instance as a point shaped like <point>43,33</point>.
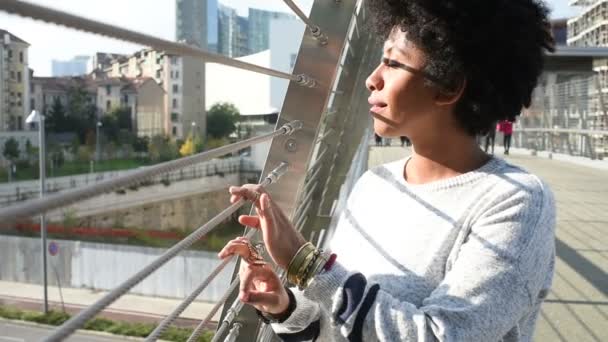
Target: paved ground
<point>577,308</point>
<point>133,308</point>
<point>17,332</point>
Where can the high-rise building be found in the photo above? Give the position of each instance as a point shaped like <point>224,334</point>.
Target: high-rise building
<point>232,34</point>
<point>197,23</point>
<point>14,82</point>
<point>259,28</point>
<point>74,67</point>
<point>590,27</point>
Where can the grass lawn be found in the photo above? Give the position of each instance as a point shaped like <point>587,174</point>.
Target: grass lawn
<point>73,168</point>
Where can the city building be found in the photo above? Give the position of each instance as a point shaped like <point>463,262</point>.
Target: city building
<point>45,91</point>
<point>232,33</point>
<point>182,80</point>
<point>14,82</point>
<point>103,60</point>
<point>559,29</point>
<point>142,95</point>
<point>259,28</point>
<point>197,23</point>
<point>590,27</point>
<point>260,96</point>
<point>74,67</point>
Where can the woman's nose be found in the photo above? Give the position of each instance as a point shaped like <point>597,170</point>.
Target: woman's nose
<point>374,80</point>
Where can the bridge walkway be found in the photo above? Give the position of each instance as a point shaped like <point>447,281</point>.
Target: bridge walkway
<point>577,307</point>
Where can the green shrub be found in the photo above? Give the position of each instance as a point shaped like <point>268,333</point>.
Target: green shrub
<point>103,324</point>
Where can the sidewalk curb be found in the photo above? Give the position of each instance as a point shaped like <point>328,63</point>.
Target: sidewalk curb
<point>80,331</point>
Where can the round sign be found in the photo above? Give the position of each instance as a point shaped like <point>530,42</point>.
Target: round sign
<point>53,248</point>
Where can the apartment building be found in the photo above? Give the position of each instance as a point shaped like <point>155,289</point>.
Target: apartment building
<point>14,82</point>
<point>182,80</point>
<point>142,95</point>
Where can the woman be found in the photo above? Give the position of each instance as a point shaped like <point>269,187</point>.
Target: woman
<point>450,244</point>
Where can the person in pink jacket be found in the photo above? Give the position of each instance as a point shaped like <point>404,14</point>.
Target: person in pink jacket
<point>506,127</point>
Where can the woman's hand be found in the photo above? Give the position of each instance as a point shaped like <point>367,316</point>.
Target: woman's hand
<point>281,238</point>
<point>259,284</point>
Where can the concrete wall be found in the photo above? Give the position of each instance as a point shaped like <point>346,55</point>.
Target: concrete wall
<point>104,266</point>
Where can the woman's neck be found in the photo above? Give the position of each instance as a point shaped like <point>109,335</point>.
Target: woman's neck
<point>443,159</point>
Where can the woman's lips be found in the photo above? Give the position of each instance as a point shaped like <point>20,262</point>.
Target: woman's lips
<point>377,108</point>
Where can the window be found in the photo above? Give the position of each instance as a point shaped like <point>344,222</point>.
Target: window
<point>108,105</point>
<point>10,54</point>
<point>18,76</point>
<point>158,74</point>
<point>125,99</point>
<point>174,131</point>
<point>173,60</point>
<point>174,117</point>
<point>108,89</point>
<point>21,57</point>
<point>174,103</point>
<point>12,75</point>
<point>175,89</point>
<point>177,74</point>
<point>171,74</point>
<point>19,98</point>
<point>32,104</point>
<point>19,123</point>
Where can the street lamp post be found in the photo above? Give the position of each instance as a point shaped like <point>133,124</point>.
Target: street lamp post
<point>35,117</point>
<point>97,152</point>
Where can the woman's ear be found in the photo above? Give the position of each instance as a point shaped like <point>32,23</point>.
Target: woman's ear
<point>444,97</point>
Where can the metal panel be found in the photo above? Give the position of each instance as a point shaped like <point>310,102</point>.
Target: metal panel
<point>319,61</point>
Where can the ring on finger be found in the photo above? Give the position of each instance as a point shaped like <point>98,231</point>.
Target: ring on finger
<point>256,196</point>
<point>254,256</point>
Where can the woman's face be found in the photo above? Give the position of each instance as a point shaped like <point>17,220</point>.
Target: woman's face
<point>401,102</point>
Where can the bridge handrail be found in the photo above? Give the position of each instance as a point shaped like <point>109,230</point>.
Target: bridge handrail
<point>82,317</point>
<point>47,203</point>
<point>83,24</point>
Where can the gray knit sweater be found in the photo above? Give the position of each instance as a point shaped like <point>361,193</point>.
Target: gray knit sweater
<point>468,258</point>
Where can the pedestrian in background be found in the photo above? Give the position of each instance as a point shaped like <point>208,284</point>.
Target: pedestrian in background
<point>506,127</point>
<point>490,138</point>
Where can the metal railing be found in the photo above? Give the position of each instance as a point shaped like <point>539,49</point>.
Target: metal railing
<point>45,204</point>
<point>568,116</point>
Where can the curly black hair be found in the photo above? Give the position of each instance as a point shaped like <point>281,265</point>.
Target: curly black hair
<point>496,46</point>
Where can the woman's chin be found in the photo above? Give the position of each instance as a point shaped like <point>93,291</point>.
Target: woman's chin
<point>384,130</point>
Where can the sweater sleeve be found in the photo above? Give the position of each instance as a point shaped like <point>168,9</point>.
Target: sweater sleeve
<point>496,278</point>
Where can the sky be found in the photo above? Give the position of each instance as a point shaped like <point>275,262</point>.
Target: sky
<point>50,42</point>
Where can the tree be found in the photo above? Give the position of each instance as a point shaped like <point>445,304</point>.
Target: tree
<point>162,149</point>
<point>221,120</point>
<point>80,112</point>
<point>11,149</point>
<point>30,151</point>
<point>56,121</point>
<point>117,125</point>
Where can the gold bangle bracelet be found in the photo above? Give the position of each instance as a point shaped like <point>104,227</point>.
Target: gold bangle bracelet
<point>306,273</point>
<point>320,261</point>
<point>296,263</point>
<point>299,273</point>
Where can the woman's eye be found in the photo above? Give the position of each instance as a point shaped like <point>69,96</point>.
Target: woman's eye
<point>389,63</point>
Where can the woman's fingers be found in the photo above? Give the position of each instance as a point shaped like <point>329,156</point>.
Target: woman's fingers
<point>261,298</point>
<point>251,221</point>
<point>237,246</point>
<point>250,192</point>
